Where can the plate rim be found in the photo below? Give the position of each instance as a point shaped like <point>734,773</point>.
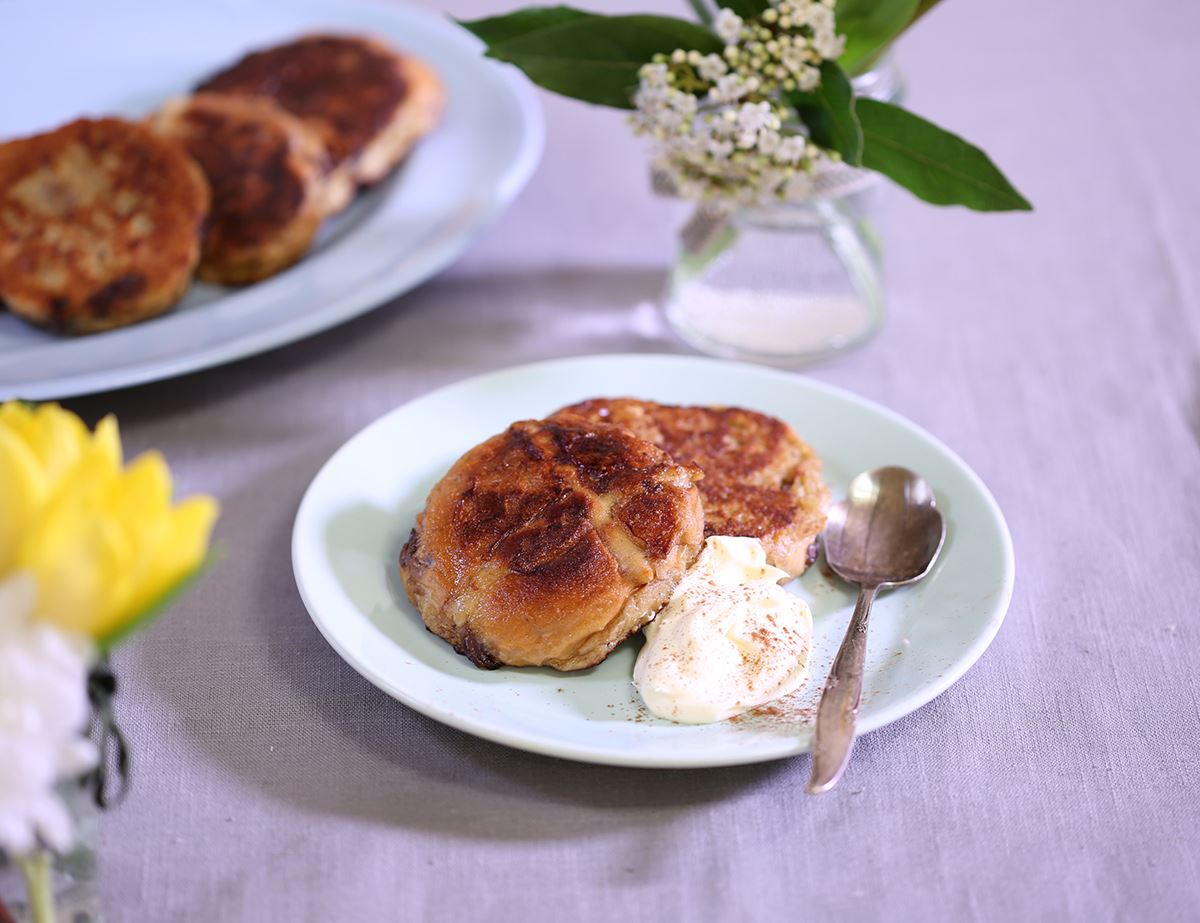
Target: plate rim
<point>579,753</point>
<point>532,134</point>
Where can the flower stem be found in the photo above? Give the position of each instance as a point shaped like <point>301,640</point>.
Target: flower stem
<point>702,11</point>
<point>36,869</point>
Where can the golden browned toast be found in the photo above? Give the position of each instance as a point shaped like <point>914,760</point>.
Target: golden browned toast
<point>100,224</point>
<point>551,542</point>
<point>760,479</point>
<point>368,103</point>
<point>267,172</point>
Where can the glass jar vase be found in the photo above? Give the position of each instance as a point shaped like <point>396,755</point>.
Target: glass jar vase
<point>787,284</point>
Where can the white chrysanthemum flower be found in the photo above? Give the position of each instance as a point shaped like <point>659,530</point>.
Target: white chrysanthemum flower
<point>719,148</point>
<point>753,116</point>
<point>828,45</point>
<point>653,75</point>
<point>668,120</point>
<point>728,25</point>
<point>712,67</point>
<point>808,79</point>
<point>649,100</point>
<point>768,141</point>
<point>791,149</point>
<point>729,89</point>
<point>43,709</point>
<point>691,148</point>
<point>683,103</point>
<point>794,59</point>
<point>819,18</point>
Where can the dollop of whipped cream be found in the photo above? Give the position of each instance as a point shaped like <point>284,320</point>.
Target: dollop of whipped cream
<point>730,638</point>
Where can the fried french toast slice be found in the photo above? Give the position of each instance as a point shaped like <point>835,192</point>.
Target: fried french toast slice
<point>100,225</point>
<point>760,479</point>
<point>368,102</point>
<point>550,543</point>
<point>267,172</point>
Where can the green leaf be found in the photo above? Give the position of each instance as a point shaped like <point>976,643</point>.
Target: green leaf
<point>932,163</point>
<point>703,13</point>
<point>747,9</point>
<point>596,58</point>
<point>829,113</point>
<point>157,607</point>
<point>869,26</point>
<point>923,7</point>
<point>497,29</point>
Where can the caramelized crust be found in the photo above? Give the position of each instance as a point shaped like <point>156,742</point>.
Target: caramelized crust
<point>760,479</point>
<point>266,169</point>
<point>367,103</point>
<point>550,543</point>
<point>100,224</point>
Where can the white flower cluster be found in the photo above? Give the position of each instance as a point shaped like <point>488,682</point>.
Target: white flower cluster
<point>722,128</point>
<point>43,709</point>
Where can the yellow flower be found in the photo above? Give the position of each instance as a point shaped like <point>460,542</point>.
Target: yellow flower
<point>102,540</point>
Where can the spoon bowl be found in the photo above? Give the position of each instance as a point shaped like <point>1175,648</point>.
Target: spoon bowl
<point>887,532</point>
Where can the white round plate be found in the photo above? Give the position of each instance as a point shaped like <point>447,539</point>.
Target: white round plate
<point>67,58</point>
<point>360,508</point>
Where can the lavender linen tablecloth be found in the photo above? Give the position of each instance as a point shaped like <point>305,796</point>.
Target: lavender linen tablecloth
<point>1058,353</point>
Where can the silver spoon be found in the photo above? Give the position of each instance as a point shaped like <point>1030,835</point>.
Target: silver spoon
<point>886,533</point>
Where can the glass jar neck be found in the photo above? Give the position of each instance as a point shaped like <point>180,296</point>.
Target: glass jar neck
<point>883,81</point>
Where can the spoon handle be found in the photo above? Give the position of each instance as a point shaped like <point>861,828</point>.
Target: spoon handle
<point>838,711</point>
